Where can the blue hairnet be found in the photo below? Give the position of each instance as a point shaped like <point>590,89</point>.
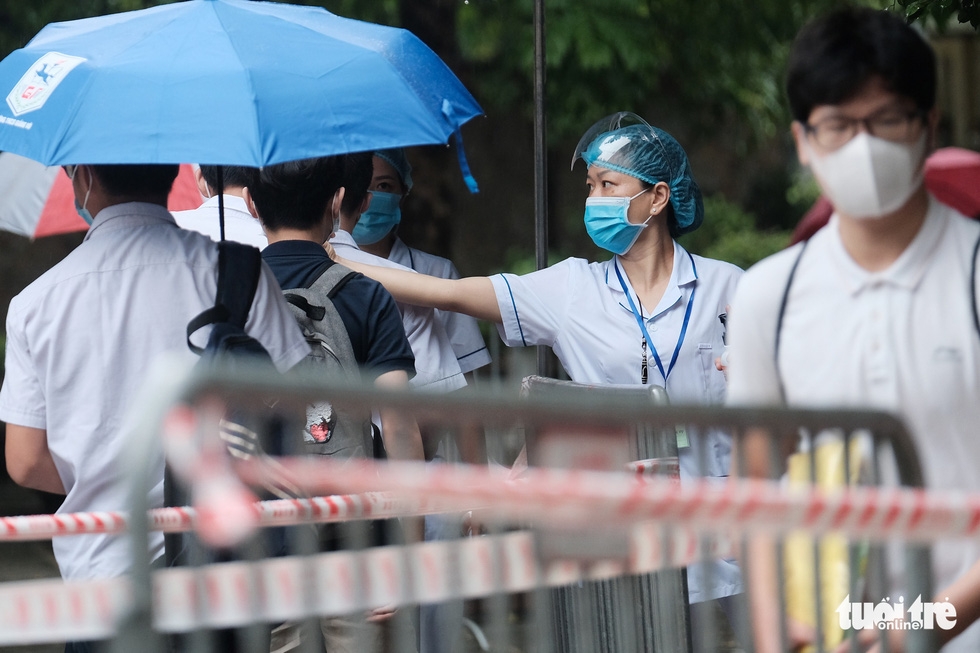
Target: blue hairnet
<point>650,154</point>
<point>396,157</point>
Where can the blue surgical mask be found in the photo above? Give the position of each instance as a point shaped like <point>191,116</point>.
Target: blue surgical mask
<point>82,209</point>
<point>380,218</point>
<point>607,224</point>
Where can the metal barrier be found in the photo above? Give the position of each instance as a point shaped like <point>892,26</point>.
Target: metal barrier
<point>646,523</point>
<point>642,613</point>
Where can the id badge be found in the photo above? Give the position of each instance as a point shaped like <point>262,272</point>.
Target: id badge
<point>682,439</point>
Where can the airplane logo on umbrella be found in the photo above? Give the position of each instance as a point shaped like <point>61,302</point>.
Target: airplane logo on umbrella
<point>37,84</point>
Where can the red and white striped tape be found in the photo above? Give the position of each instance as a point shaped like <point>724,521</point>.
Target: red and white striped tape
<point>586,499</point>
<point>280,589</point>
<point>568,499</point>
<point>282,512</point>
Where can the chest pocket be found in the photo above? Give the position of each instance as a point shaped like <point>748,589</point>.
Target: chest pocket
<point>713,380</point>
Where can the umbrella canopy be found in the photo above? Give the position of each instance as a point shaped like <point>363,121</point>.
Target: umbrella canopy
<point>37,200</point>
<point>952,174</point>
<point>224,82</point>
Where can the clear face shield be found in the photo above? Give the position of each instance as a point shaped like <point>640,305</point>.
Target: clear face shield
<point>605,125</point>
<point>625,143</point>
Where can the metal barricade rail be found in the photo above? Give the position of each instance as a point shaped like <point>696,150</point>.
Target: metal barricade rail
<point>664,525</point>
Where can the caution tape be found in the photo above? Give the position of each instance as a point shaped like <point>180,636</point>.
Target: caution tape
<point>336,508</point>
<point>576,499</point>
<point>569,499</point>
<point>290,588</point>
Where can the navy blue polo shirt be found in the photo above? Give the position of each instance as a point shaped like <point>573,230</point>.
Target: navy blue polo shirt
<point>366,308</point>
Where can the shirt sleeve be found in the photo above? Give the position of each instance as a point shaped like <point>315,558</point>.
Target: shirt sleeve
<point>533,306</point>
<point>22,400</point>
<point>272,323</point>
<point>387,346</point>
<point>436,367</point>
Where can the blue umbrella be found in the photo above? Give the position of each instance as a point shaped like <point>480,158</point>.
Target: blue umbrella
<point>224,82</point>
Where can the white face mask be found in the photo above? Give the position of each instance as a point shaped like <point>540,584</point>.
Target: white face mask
<point>870,177</point>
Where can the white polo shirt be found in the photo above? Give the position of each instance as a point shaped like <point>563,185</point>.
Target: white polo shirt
<point>436,368</point>
<point>579,309</point>
<point>81,339</point>
<point>901,340</point>
<point>463,330</point>
<point>240,226</point>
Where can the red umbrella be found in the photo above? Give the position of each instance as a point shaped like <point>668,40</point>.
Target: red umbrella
<point>37,200</point>
<point>952,175</point>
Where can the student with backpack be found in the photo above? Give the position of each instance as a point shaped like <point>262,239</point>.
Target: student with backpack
<point>297,203</point>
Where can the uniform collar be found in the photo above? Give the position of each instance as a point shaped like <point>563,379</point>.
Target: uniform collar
<point>683,274</point>
<point>907,270</point>
<point>232,203</point>
<point>129,214</point>
<point>399,250</point>
<point>344,239</point>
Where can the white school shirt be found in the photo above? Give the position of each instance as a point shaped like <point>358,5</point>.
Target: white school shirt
<point>463,330</point>
<point>579,309</point>
<point>240,226</point>
<point>81,339</point>
<point>436,368</point>
<point>901,340</point>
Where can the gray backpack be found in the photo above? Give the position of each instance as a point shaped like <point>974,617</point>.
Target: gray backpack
<point>329,432</point>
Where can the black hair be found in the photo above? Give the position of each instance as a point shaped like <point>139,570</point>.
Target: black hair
<point>136,180</point>
<point>358,171</point>
<point>296,194</point>
<point>835,56</point>
<point>231,176</point>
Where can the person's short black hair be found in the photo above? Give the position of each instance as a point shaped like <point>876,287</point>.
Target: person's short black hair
<point>296,194</point>
<point>136,180</point>
<point>231,176</point>
<point>835,56</point>
<point>358,172</point>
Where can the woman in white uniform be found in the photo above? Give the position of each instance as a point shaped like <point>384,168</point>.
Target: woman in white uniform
<point>650,314</point>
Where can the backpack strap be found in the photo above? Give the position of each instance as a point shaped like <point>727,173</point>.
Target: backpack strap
<point>782,314</point>
<point>316,304</point>
<point>973,287</point>
<point>239,268</point>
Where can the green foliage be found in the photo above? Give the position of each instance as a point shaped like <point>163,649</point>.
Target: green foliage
<point>716,59</point>
<point>21,20</point>
<point>941,11</point>
<point>729,234</point>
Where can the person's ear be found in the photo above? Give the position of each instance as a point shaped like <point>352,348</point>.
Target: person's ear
<point>659,198</point>
<point>202,186</point>
<point>250,204</point>
<point>86,180</point>
<point>336,202</point>
<point>799,138</point>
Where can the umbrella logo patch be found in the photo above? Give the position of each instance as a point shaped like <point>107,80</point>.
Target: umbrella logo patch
<point>37,84</point>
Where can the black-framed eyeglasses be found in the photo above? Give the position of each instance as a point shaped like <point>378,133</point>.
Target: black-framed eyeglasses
<point>890,124</point>
<point>70,170</point>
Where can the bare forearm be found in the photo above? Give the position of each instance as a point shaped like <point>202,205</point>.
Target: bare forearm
<point>472,443</point>
<point>29,461</point>
<point>472,296</point>
<point>964,596</point>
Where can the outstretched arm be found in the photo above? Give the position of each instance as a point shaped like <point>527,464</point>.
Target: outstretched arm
<point>471,295</point>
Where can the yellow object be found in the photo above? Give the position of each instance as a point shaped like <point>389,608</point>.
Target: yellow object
<point>833,550</point>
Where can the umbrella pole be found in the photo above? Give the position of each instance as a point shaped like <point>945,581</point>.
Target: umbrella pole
<point>220,174</point>
<point>546,365</point>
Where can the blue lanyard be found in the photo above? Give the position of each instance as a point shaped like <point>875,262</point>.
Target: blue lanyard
<point>643,327</point>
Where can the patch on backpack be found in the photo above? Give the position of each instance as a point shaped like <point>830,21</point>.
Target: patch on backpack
<point>321,420</point>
